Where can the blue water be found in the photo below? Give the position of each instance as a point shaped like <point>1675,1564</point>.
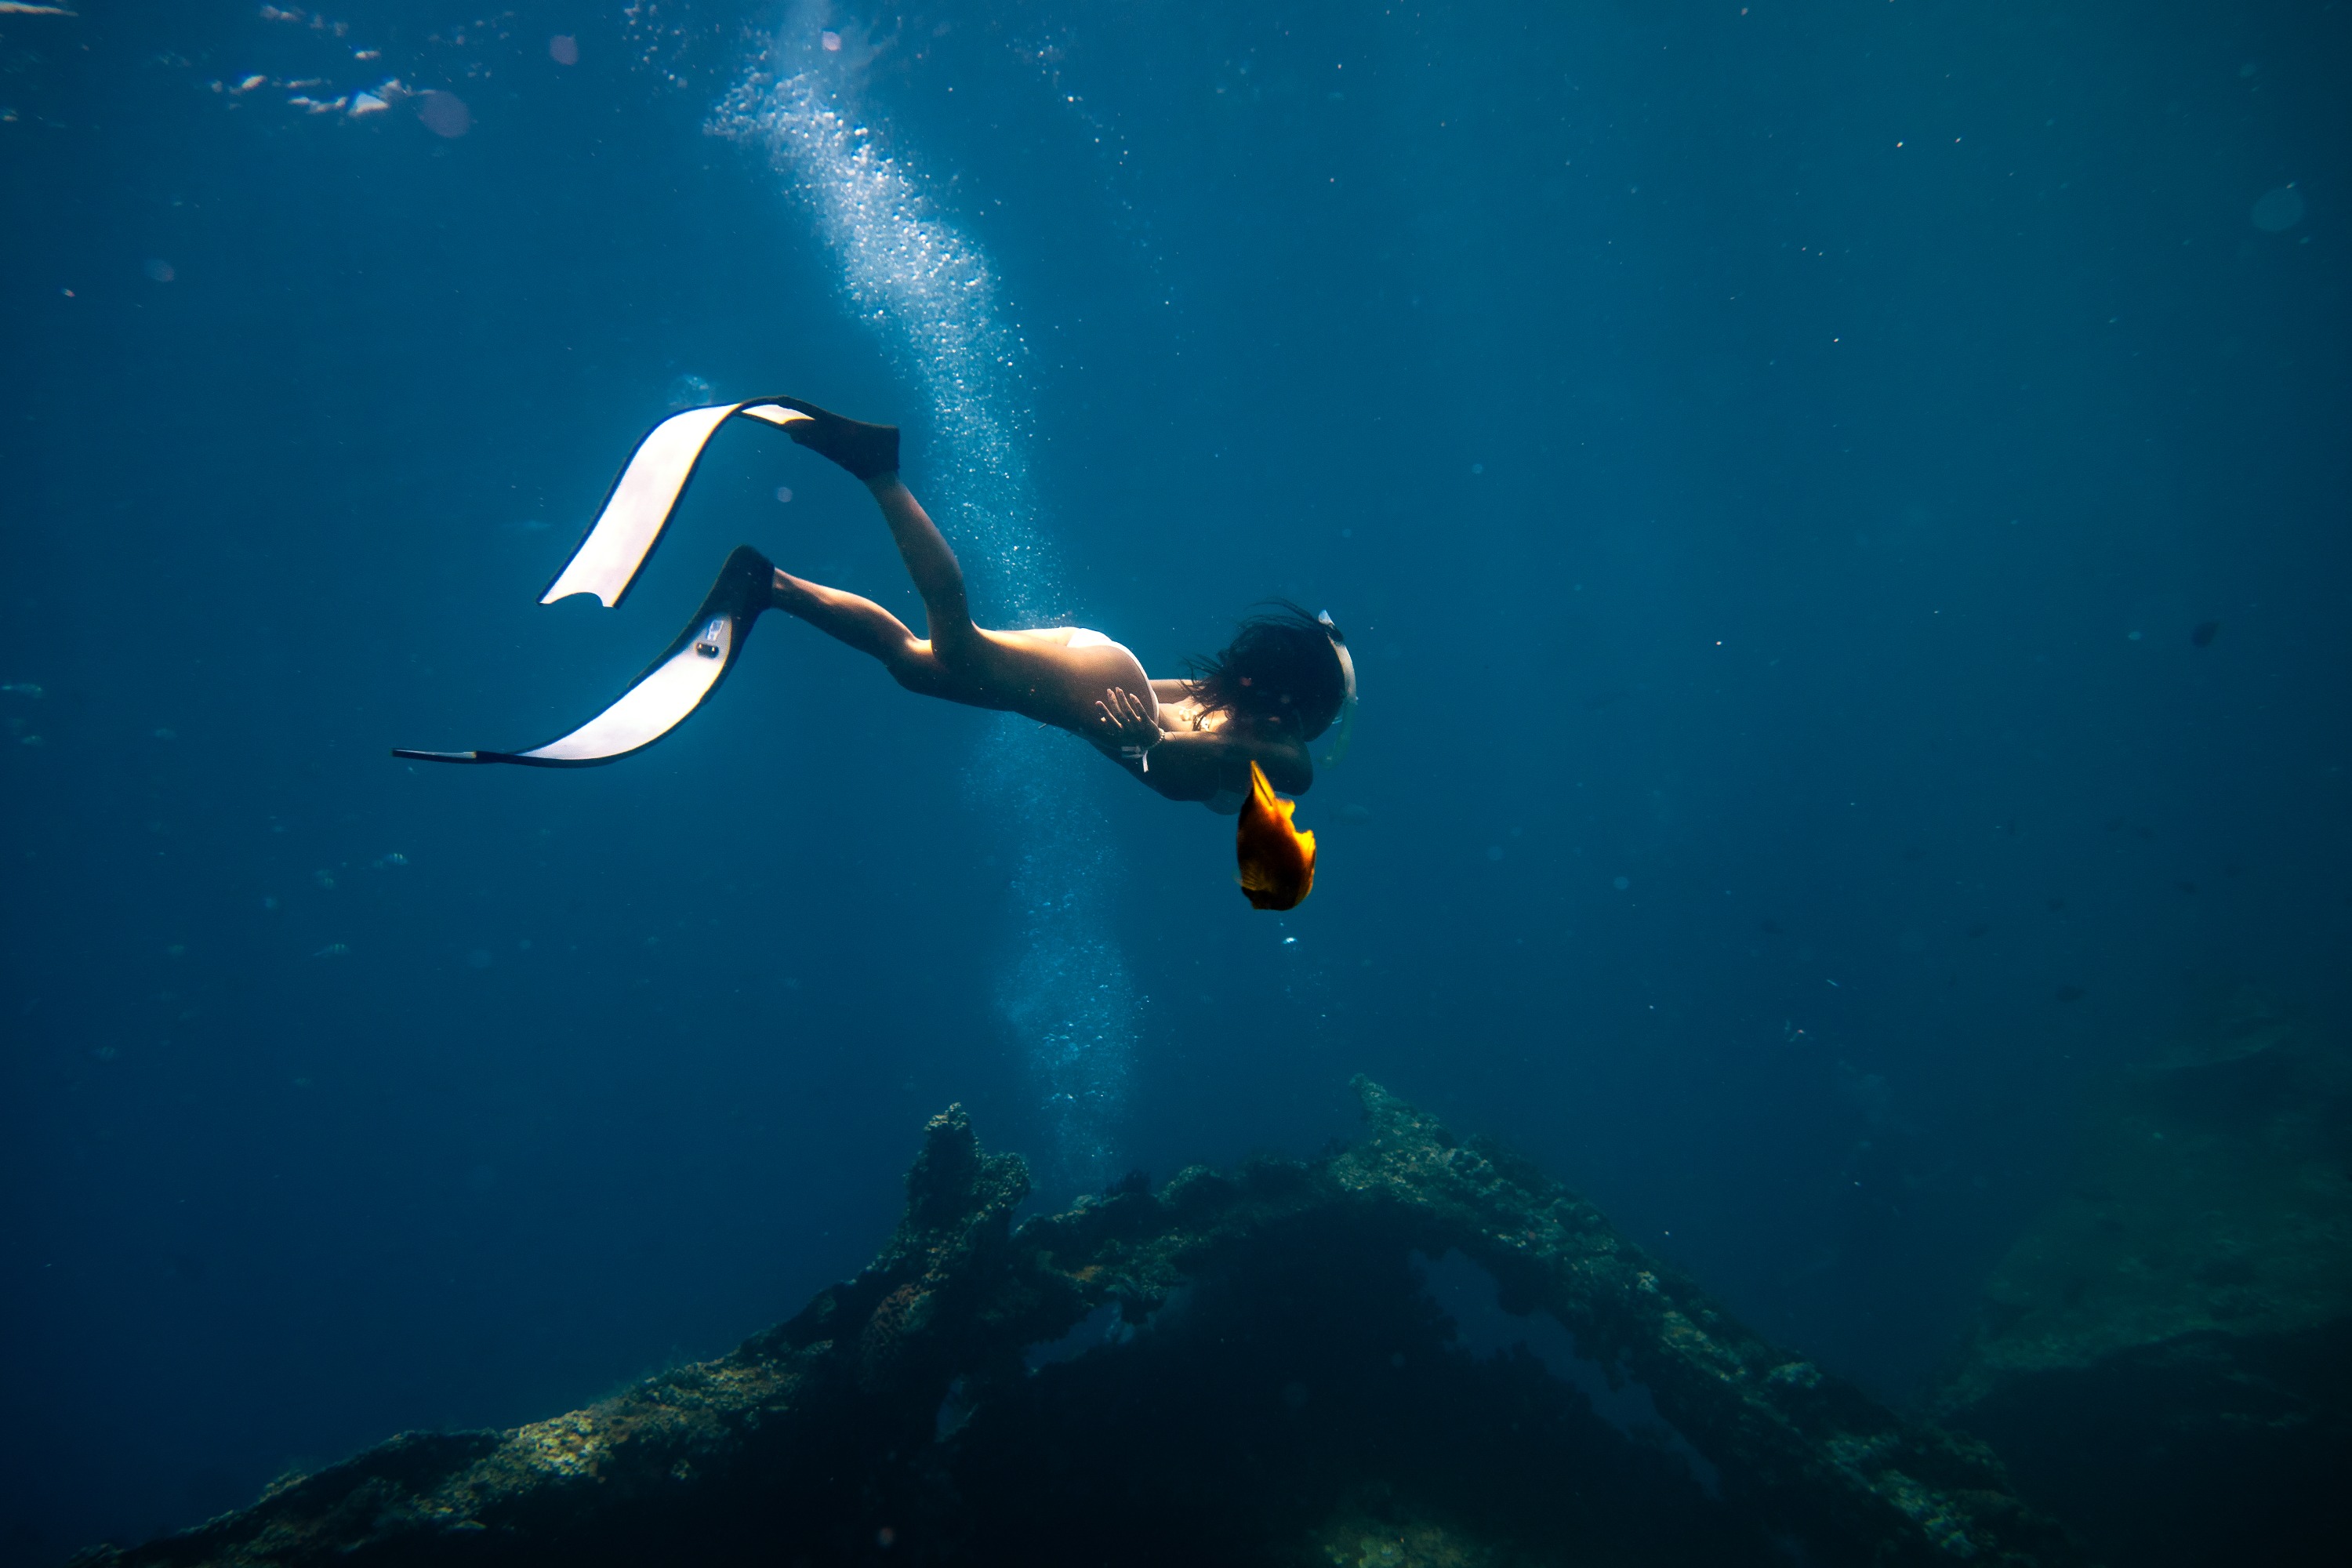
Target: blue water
<point>1769,462</point>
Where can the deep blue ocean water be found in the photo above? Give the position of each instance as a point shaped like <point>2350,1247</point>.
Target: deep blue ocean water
<point>1771,462</point>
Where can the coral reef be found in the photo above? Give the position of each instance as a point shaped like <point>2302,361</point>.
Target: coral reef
<point>2165,1357</point>
<point>1268,1383</point>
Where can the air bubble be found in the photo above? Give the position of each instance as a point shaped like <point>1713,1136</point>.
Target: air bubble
<point>2279,210</point>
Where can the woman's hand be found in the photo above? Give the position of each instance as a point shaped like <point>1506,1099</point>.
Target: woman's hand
<point>1123,724</point>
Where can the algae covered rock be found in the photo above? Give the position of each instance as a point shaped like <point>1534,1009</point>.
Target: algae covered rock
<point>2165,1357</point>
<point>1245,1367</point>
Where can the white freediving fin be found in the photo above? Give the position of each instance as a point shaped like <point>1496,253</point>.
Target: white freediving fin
<point>647,491</point>
<point>673,685</point>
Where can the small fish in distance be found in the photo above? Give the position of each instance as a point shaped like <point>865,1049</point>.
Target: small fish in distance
<point>1277,861</point>
<point>2205,633</point>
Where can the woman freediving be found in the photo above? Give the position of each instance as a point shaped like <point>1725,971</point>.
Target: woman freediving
<point>1217,736</point>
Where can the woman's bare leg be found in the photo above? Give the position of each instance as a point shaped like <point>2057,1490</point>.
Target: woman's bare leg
<point>864,626</point>
<point>944,665</point>
<point>938,578</point>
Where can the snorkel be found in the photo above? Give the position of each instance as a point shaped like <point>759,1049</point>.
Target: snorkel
<point>1347,727</point>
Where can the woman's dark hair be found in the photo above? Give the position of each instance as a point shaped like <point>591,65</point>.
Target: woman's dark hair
<point>1279,668</point>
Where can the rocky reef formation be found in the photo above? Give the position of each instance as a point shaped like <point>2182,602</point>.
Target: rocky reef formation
<point>2165,1357</point>
<point>1268,1383</point>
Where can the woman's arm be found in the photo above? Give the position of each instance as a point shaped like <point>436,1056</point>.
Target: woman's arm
<point>1197,764</point>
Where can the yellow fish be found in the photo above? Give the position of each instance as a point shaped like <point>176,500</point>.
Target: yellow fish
<point>1277,861</point>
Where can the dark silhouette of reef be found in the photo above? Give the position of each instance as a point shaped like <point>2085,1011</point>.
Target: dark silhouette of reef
<point>1268,1384</point>
<point>2165,1356</point>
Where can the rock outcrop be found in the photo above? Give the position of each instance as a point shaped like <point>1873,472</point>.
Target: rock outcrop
<point>2165,1357</point>
<point>1268,1384</point>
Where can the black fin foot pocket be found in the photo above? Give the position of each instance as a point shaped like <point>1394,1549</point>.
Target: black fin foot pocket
<point>868,451</point>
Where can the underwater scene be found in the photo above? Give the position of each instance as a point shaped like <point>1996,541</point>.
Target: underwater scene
<point>1536,783</point>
